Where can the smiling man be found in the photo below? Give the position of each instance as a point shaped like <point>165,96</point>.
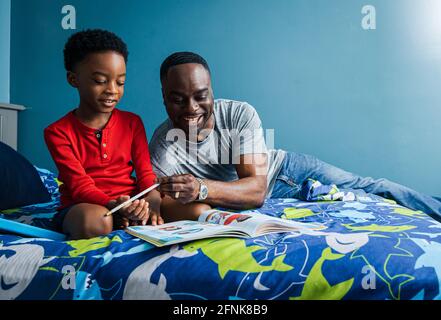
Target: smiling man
<point>212,153</point>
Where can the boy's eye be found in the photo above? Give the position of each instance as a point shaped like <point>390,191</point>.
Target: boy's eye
<point>99,81</point>
<point>120,83</point>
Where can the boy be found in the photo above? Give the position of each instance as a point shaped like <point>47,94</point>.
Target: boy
<point>96,147</point>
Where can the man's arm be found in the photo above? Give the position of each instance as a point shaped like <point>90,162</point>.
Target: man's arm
<point>247,192</point>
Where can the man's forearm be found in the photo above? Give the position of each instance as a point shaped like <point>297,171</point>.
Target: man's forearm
<point>244,193</point>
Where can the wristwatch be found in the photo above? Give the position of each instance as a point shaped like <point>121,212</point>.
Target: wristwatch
<point>203,190</point>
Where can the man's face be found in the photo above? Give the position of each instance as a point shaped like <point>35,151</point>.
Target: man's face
<point>188,97</point>
<point>99,79</point>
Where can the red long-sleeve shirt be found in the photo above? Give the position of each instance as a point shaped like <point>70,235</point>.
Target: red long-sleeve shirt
<point>96,168</point>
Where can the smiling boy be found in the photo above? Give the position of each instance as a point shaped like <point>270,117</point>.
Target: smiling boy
<point>96,147</point>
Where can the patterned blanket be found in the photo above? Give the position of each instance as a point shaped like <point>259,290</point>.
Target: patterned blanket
<point>371,248</point>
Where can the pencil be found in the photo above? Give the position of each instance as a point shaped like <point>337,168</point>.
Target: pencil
<point>131,199</point>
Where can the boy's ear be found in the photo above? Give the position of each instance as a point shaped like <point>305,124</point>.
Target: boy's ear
<point>163,95</point>
<point>72,79</point>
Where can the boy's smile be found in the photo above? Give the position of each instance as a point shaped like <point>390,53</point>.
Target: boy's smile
<point>99,79</point>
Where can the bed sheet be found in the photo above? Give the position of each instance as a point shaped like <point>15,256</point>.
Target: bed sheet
<point>371,248</point>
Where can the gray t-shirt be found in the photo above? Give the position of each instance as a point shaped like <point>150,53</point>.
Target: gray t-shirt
<point>237,131</point>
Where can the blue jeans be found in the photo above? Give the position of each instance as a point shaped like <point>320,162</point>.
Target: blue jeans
<point>298,167</point>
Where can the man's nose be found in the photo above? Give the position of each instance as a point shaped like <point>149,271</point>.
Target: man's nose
<point>192,106</point>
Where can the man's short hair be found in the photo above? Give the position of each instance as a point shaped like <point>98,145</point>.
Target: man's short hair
<point>82,43</point>
<point>178,58</point>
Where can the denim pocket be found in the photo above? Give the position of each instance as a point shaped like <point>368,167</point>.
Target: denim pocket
<point>285,187</point>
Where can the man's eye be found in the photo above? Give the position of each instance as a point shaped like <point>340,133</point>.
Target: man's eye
<point>201,98</point>
<point>178,100</point>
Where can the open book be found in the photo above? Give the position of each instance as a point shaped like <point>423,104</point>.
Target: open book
<point>217,223</point>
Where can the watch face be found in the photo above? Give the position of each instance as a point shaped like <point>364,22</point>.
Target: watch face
<point>204,192</point>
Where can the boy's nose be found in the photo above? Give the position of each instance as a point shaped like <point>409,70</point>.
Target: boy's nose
<point>112,88</point>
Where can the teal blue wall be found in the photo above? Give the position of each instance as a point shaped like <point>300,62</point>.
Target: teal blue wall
<point>367,101</point>
<point>5,30</point>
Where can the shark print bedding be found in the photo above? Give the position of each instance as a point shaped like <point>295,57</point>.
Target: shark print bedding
<point>371,248</point>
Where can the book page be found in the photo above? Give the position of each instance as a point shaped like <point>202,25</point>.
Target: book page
<point>181,231</point>
<point>255,223</point>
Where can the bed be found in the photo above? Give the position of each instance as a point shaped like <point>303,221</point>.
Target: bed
<point>371,248</point>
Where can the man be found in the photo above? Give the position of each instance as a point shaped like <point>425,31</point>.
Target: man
<point>212,153</point>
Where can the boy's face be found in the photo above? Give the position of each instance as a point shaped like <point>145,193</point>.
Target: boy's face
<point>99,79</point>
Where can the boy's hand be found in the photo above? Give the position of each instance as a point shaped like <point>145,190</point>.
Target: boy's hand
<point>136,213</point>
<point>154,199</point>
<point>138,210</point>
<point>156,218</point>
<point>119,221</point>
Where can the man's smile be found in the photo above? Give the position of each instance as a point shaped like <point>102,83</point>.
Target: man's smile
<point>193,118</point>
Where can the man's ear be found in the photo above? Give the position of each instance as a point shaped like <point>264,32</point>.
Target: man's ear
<point>72,79</point>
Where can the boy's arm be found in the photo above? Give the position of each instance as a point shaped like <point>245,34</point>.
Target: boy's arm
<point>141,157</point>
<point>144,171</point>
<point>71,172</point>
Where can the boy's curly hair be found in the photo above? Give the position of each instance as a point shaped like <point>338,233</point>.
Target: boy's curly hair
<point>80,44</point>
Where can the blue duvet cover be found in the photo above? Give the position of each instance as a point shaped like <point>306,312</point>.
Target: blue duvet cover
<point>371,248</point>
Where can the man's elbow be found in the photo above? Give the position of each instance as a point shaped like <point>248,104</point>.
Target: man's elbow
<point>254,200</point>
<point>259,198</point>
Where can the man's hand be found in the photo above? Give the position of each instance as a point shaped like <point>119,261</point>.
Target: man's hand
<point>183,188</point>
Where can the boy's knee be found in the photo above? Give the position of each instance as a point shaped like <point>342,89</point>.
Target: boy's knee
<point>101,226</point>
<point>88,221</point>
